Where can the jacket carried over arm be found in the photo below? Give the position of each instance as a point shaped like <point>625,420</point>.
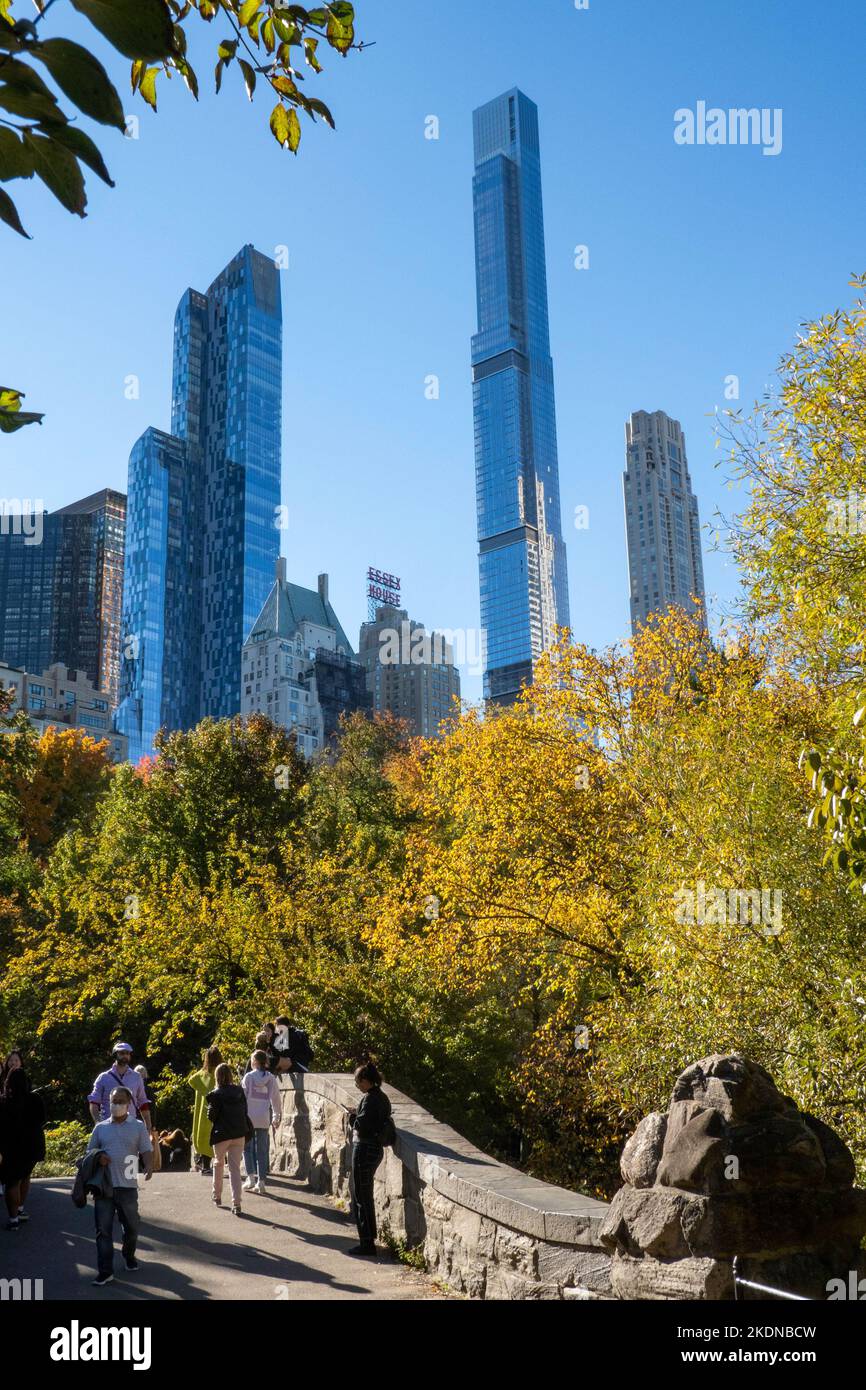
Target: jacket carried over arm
<point>91,1177</point>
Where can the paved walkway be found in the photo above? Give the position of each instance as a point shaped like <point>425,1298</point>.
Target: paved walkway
<point>288,1245</point>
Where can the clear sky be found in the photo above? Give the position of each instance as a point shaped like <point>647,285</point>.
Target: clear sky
<point>703,261</point>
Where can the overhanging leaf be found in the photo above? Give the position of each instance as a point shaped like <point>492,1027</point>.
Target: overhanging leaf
<point>136,28</point>
<point>249,76</point>
<point>58,169</point>
<point>16,162</point>
<point>9,214</point>
<point>83,79</point>
<point>31,105</point>
<point>83,148</point>
<point>279,123</point>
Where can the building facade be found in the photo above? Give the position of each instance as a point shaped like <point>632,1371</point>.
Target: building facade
<point>61,585</point>
<point>297,665</point>
<point>410,672</point>
<point>522,561</point>
<point>663,530</point>
<point>64,699</point>
<point>204,510</point>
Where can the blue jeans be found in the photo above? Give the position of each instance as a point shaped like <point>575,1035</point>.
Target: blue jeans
<point>125,1204</point>
<point>257,1154</point>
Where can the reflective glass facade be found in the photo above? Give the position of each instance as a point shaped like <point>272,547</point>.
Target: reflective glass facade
<point>522,564</point>
<point>203,533</point>
<point>60,589</point>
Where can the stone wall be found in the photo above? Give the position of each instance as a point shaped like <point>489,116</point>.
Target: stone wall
<point>486,1230</point>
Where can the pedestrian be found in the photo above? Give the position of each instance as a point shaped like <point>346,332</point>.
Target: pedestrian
<point>22,1143</point>
<point>12,1063</point>
<point>264,1108</point>
<point>148,1091</point>
<point>121,1141</point>
<point>372,1128</point>
<point>290,1049</point>
<point>202,1082</point>
<point>262,1044</point>
<point>227,1112</point>
<point>120,1073</point>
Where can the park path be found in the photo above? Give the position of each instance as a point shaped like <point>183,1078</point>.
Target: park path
<point>290,1244</point>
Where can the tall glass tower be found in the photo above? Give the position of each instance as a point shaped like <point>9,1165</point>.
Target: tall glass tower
<point>202,531</point>
<point>522,564</point>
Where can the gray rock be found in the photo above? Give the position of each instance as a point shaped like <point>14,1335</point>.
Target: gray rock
<point>694,1157</point>
<point>838,1159</point>
<point>640,1157</point>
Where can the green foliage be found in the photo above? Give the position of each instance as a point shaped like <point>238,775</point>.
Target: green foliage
<point>38,139</point>
<point>411,1256</point>
<point>63,1145</point>
<point>150,33</point>
<point>12,417</point>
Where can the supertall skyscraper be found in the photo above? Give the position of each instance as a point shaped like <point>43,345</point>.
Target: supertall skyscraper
<point>203,537</point>
<point>522,564</point>
<point>61,580</point>
<point>663,529</point>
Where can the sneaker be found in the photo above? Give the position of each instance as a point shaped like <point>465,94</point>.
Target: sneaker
<point>131,1263</point>
<point>250,1185</point>
<point>23,1215</point>
<point>262,1187</point>
<point>256,1188</point>
<point>103,1279</point>
<point>236,1211</point>
<point>13,1224</point>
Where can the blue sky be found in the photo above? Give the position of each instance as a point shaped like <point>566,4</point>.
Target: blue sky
<point>703,261</point>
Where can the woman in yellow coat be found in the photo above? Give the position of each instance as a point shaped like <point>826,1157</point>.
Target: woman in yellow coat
<point>202,1083</point>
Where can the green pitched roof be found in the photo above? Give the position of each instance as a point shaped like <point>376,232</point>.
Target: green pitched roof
<point>287,606</point>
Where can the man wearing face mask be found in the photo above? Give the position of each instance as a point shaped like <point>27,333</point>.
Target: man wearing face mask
<point>120,1074</point>
<point>123,1139</point>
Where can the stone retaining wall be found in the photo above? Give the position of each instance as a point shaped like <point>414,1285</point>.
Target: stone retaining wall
<point>485,1229</point>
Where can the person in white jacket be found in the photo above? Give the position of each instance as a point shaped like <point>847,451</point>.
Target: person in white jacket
<point>264,1107</point>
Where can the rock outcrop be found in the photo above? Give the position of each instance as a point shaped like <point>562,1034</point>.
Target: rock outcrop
<point>733,1169</point>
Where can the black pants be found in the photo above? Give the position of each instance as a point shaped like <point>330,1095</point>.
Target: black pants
<point>124,1204</point>
<point>365,1160</point>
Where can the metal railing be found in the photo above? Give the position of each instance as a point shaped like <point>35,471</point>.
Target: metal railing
<point>740,1283</point>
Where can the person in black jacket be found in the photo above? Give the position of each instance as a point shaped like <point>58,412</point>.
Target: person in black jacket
<point>368,1125</point>
<point>227,1112</point>
<point>22,1143</point>
<point>290,1048</point>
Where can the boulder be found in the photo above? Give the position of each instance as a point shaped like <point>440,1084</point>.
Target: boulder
<point>732,1170</point>
<point>640,1157</point>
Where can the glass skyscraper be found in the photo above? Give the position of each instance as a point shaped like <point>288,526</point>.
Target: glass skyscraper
<point>61,580</point>
<point>663,529</point>
<point>203,533</point>
<point>522,563</point>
